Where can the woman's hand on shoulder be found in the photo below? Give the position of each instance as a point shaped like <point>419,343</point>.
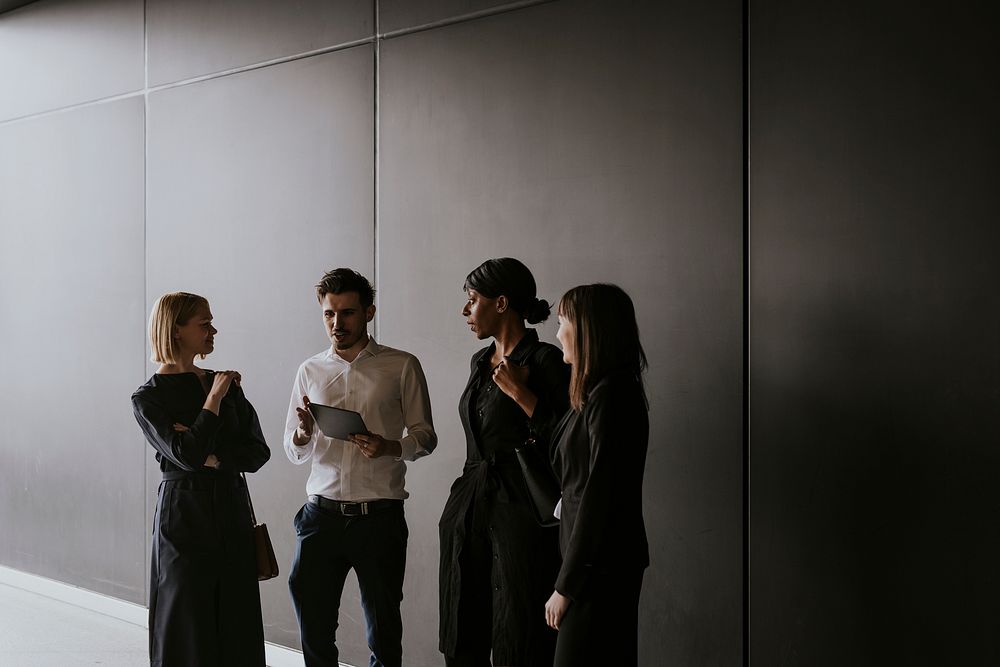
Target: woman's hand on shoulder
<point>222,382</point>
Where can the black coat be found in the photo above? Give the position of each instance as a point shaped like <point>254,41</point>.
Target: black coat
<point>600,456</point>
<point>204,602</point>
<point>234,436</point>
<point>491,495</point>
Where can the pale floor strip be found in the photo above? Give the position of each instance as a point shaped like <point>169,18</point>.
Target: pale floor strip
<point>36,631</point>
<point>46,623</point>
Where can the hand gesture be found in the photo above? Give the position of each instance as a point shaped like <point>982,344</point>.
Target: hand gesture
<point>510,377</point>
<point>373,445</point>
<point>220,385</point>
<point>305,429</point>
<point>555,609</point>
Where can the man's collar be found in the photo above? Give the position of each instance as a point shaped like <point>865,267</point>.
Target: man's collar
<point>372,348</point>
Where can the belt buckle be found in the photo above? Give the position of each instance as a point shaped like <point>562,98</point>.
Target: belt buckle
<point>354,509</point>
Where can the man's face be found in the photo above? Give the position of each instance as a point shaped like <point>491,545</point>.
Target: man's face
<point>345,319</point>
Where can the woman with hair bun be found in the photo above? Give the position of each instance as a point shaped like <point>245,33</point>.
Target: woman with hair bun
<point>497,562</point>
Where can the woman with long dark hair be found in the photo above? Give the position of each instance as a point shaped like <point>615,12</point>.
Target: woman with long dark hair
<point>497,561</point>
<point>600,455</point>
<point>204,600</point>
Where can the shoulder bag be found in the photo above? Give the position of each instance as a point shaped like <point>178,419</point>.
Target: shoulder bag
<point>267,564</point>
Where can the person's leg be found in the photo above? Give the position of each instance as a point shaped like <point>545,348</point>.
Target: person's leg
<point>185,581</point>
<point>475,607</point>
<point>378,554</point>
<point>241,629</point>
<point>603,628</point>
<point>316,582</point>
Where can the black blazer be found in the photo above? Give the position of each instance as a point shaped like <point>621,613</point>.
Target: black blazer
<point>600,456</point>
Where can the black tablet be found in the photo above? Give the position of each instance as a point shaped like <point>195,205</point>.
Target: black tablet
<point>337,422</point>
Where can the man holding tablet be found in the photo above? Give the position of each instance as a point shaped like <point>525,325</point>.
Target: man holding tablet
<point>354,515</point>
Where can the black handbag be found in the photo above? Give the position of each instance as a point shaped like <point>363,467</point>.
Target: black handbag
<point>541,482</point>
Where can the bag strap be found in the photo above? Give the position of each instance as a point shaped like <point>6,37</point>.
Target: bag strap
<point>253,517</point>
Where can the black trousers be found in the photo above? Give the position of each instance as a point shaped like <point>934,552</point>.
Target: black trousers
<point>329,546</point>
<point>204,599</point>
<point>603,627</point>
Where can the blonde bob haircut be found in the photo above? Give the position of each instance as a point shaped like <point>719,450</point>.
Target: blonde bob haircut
<point>170,310</point>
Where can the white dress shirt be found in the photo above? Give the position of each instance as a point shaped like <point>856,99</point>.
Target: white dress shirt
<point>387,386</point>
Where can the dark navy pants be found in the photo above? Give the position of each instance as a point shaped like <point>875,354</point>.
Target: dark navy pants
<point>329,546</point>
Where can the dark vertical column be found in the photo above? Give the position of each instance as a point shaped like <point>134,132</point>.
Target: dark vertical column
<point>875,355</point>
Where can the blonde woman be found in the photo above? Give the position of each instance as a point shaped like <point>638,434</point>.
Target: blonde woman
<point>204,601</point>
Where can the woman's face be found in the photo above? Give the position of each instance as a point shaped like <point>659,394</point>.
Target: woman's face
<point>197,335</point>
<point>481,314</point>
<point>567,339</point>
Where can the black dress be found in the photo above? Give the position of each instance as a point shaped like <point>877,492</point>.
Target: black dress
<point>204,600</point>
<point>498,565</point>
<point>600,457</point>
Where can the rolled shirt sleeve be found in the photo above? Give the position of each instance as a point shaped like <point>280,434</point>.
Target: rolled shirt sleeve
<point>296,454</point>
<point>420,439</point>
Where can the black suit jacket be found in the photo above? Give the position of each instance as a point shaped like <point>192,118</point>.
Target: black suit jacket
<point>600,456</point>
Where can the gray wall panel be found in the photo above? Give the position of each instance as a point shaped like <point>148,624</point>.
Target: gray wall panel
<point>596,145</point>
<point>71,309</point>
<point>56,53</point>
<point>188,38</point>
<point>593,141</point>
<point>874,330</point>
<point>258,183</point>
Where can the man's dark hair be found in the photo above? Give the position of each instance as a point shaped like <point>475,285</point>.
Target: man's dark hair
<point>343,280</point>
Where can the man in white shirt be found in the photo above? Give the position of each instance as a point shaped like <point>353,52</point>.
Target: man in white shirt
<point>354,515</point>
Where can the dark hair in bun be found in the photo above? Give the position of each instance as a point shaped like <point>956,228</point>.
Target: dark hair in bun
<point>537,311</point>
<point>509,277</point>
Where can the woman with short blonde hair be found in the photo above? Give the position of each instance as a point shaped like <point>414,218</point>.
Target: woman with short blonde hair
<point>204,601</point>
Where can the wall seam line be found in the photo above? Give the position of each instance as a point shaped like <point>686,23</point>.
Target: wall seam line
<point>462,18</point>
<point>745,67</point>
<point>375,172</point>
<point>147,538</point>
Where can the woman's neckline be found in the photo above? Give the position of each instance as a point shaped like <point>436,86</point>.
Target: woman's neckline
<point>204,371</point>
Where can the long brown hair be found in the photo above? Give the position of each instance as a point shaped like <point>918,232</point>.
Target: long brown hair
<point>606,338</point>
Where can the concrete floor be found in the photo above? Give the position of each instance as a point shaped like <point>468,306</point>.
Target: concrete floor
<point>36,631</point>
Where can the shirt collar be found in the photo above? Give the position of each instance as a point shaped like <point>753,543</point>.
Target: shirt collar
<point>371,349</point>
<point>518,354</point>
